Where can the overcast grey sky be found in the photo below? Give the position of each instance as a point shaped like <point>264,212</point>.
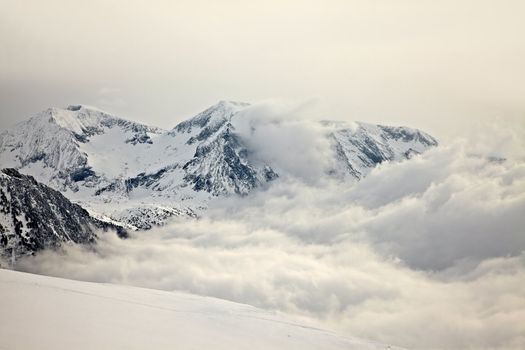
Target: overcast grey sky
<point>437,65</point>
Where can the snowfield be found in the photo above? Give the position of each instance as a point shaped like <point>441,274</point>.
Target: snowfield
<point>40,312</point>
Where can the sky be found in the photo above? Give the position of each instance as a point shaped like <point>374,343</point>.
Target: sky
<point>442,66</point>
<point>436,240</point>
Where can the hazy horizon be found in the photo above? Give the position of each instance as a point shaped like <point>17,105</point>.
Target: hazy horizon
<point>439,66</point>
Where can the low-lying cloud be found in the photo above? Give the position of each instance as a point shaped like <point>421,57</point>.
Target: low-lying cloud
<point>428,253</point>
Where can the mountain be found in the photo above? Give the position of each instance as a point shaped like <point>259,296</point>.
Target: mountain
<point>34,216</point>
<point>40,312</point>
<point>137,175</point>
<point>220,164</point>
<point>361,147</point>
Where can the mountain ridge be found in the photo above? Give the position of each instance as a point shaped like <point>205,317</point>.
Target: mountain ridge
<point>117,168</point>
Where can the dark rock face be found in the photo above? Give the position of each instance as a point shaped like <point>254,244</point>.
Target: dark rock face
<point>146,180</point>
<point>149,181</point>
<point>82,174</point>
<point>139,138</point>
<point>222,166</point>
<point>34,217</point>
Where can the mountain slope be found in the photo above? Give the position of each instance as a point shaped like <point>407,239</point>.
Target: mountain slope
<point>361,148</point>
<point>54,138</point>
<point>220,164</point>
<point>34,216</point>
<point>137,175</point>
<point>40,312</point>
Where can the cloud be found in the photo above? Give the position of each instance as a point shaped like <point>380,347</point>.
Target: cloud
<point>288,136</point>
<point>458,207</point>
<point>428,253</point>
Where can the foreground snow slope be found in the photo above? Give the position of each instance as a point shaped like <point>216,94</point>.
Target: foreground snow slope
<point>40,312</point>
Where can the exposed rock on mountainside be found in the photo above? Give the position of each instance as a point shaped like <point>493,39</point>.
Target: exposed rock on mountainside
<point>360,149</point>
<point>34,216</point>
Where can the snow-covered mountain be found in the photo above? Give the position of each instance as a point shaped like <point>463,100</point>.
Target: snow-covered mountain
<point>40,312</point>
<point>34,216</point>
<point>361,147</point>
<point>130,173</point>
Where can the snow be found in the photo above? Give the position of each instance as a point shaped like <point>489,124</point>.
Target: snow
<point>362,145</point>
<point>57,143</point>
<point>40,312</point>
<point>24,229</point>
<point>6,221</point>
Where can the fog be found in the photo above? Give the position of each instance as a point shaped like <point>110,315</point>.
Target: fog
<point>427,253</point>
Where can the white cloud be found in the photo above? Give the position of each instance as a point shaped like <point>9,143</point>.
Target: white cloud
<point>288,136</point>
<point>426,254</point>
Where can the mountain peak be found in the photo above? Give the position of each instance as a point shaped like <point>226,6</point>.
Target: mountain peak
<point>82,119</point>
<point>75,118</point>
<point>213,116</point>
<point>98,159</point>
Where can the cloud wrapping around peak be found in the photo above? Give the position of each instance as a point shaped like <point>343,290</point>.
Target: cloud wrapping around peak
<point>289,137</point>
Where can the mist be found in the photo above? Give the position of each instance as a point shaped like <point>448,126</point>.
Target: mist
<point>426,253</point>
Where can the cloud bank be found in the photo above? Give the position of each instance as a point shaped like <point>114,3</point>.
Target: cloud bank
<point>428,253</point>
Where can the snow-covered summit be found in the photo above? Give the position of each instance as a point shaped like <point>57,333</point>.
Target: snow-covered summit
<point>85,120</point>
<point>220,163</point>
<point>53,140</point>
<point>78,118</point>
<point>213,117</point>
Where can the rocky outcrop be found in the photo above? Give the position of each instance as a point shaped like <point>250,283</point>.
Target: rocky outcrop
<point>34,217</point>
